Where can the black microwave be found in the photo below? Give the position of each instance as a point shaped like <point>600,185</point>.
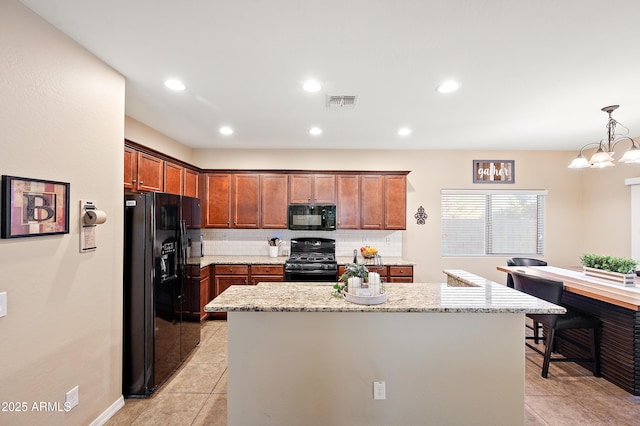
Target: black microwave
<point>312,217</point>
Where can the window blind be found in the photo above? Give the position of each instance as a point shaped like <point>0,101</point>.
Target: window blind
<point>492,222</point>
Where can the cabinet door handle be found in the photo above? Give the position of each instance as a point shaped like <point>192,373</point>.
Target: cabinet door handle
<point>141,182</point>
<point>133,181</point>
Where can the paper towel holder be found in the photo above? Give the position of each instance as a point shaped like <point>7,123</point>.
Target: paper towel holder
<point>90,217</point>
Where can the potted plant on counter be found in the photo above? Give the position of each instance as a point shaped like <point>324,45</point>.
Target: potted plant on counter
<point>617,269</point>
<point>353,276</point>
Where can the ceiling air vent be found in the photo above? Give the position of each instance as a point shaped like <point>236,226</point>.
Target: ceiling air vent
<point>341,101</point>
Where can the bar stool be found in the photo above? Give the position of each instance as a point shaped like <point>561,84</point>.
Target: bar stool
<point>551,291</point>
<point>526,261</point>
<point>522,261</point>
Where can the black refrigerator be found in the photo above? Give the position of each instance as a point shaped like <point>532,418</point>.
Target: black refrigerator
<point>161,299</point>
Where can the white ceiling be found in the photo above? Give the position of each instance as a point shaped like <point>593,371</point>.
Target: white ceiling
<point>533,74</point>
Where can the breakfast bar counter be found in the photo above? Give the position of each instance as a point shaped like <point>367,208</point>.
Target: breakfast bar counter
<point>617,307</point>
<point>437,354</point>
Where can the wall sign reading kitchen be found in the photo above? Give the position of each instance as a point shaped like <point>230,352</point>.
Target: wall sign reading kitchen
<point>494,171</point>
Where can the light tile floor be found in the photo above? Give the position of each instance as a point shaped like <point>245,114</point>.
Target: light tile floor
<point>196,394</point>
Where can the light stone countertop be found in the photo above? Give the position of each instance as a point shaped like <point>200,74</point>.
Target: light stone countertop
<point>280,260</point>
<point>403,297</point>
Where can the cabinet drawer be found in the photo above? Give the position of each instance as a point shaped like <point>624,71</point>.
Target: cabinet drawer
<point>400,271</point>
<point>267,270</point>
<point>231,269</point>
<point>382,270</point>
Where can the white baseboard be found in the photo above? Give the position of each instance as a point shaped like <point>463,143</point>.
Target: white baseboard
<point>109,412</point>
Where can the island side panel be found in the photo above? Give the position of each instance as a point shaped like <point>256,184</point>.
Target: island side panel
<point>317,368</point>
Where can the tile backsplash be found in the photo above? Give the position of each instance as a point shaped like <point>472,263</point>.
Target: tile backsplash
<point>253,242</point>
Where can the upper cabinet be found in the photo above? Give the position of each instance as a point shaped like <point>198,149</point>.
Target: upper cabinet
<point>395,202</point>
<point>348,205</point>
<point>173,178</point>
<point>216,200</point>
<point>150,171</point>
<point>246,201</point>
<point>190,183</point>
<point>371,202</point>
<point>273,201</point>
<point>259,199</point>
<point>130,168</point>
<point>312,189</point>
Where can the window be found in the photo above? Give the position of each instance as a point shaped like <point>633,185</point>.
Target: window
<point>498,222</point>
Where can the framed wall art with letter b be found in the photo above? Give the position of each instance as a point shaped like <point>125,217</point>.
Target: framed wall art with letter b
<point>32,207</point>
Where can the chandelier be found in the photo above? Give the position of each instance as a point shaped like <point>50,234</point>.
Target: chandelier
<point>603,157</point>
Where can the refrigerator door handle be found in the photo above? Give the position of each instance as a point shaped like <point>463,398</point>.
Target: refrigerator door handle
<point>183,243</point>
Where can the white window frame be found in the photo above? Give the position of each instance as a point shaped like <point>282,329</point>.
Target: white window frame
<point>469,243</point>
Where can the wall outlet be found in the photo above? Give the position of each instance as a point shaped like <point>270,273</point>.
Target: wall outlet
<point>379,391</point>
<point>3,304</point>
<point>72,398</point>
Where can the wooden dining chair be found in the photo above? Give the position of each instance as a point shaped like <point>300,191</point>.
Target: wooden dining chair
<point>551,291</point>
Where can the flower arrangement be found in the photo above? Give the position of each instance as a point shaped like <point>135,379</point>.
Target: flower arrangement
<point>621,265</point>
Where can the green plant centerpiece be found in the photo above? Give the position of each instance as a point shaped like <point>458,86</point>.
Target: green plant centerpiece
<point>620,265</point>
<point>351,270</point>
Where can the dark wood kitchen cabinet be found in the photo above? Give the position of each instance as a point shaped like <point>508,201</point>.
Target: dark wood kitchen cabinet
<point>224,276</point>
<point>348,201</point>
<point>173,178</point>
<point>205,287</point>
<point>266,273</point>
<point>371,202</point>
<point>216,200</point>
<point>400,274</point>
<point>150,175</point>
<point>312,189</point>
<point>130,168</point>
<point>390,274</point>
<point>228,275</point>
<point>190,183</point>
<point>143,172</point>
<point>395,202</point>
<point>246,201</point>
<point>273,201</point>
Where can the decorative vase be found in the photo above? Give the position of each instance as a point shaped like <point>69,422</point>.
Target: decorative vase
<point>626,280</point>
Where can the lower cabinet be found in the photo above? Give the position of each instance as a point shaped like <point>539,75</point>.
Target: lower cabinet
<point>224,276</point>
<point>400,274</point>
<point>266,273</point>
<point>390,274</point>
<point>205,283</point>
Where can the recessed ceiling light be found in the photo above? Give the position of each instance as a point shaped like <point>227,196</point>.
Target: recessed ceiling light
<point>174,84</point>
<point>404,131</point>
<point>226,130</point>
<point>448,86</point>
<point>311,86</point>
<point>315,131</point>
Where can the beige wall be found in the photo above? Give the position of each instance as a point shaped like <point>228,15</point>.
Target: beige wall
<point>138,132</point>
<point>432,171</point>
<point>62,115</point>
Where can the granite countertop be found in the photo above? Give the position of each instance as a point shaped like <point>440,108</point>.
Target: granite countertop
<point>403,297</point>
<point>280,260</point>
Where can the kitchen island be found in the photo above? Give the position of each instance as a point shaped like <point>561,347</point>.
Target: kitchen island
<point>446,355</point>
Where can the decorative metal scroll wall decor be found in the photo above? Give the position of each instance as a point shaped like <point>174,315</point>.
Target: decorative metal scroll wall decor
<point>421,216</point>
